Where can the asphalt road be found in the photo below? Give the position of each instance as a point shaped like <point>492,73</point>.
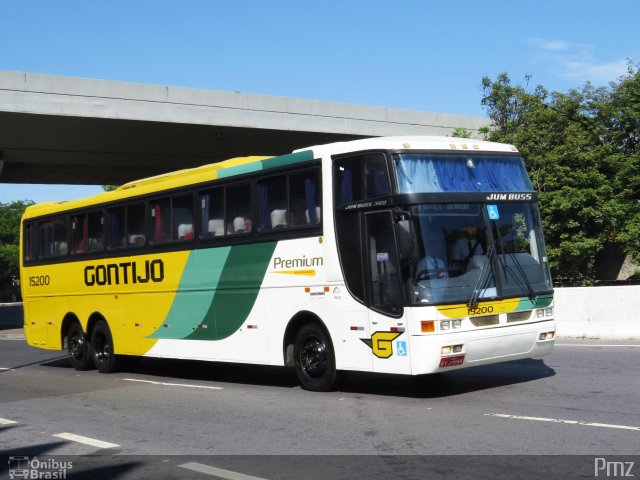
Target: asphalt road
<point>184,419</point>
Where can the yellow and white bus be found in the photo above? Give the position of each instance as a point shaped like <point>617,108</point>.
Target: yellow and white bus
<point>407,255</point>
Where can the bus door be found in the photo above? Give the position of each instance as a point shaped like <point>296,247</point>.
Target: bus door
<point>387,325</point>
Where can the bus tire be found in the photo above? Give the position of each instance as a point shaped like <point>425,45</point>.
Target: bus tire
<point>79,348</point>
<point>105,359</point>
<point>314,358</point>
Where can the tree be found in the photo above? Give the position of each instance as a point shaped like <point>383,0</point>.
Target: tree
<point>461,132</point>
<point>579,149</point>
<point>10,214</point>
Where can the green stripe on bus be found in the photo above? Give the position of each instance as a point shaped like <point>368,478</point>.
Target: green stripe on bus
<point>236,292</point>
<point>281,161</point>
<point>193,299</point>
<point>539,302</point>
<point>291,159</point>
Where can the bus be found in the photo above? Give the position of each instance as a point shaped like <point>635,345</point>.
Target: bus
<point>399,255</point>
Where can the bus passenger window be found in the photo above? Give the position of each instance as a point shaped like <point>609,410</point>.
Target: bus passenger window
<point>238,212</point>
<point>182,218</point>
<point>117,230</point>
<point>304,198</point>
<point>273,203</point>
<point>212,205</point>
<point>96,232</point>
<point>79,234</point>
<point>135,224</point>
<point>53,238</point>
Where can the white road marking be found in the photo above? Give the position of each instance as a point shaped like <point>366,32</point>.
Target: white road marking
<point>6,421</point>
<point>4,369</point>
<point>568,422</point>
<point>86,440</point>
<point>217,472</point>
<point>166,384</point>
<point>594,345</point>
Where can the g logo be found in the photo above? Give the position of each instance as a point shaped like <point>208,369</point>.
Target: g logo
<point>381,343</point>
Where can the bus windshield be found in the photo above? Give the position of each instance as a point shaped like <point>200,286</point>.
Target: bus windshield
<point>471,251</point>
<point>469,172</point>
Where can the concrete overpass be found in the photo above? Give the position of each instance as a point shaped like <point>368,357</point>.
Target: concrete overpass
<point>73,130</point>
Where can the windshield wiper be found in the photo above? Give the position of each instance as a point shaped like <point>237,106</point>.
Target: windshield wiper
<point>483,280</point>
<point>530,292</point>
<point>507,269</point>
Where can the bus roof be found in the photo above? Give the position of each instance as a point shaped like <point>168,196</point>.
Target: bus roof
<point>240,165</point>
<point>414,143</point>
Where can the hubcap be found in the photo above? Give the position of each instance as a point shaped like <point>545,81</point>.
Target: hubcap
<point>102,348</point>
<point>313,357</point>
<point>78,344</point>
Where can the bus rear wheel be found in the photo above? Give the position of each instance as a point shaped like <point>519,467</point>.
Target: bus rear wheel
<point>105,359</point>
<point>79,348</point>
<point>315,361</point>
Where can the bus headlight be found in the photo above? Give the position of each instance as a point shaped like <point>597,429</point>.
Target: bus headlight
<point>445,325</point>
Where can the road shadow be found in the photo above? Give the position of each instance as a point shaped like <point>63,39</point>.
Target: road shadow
<point>457,382</point>
<point>448,384</point>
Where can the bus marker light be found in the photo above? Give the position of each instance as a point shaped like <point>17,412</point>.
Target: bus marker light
<point>307,289</point>
<point>252,327</point>
<point>354,328</point>
<point>327,289</point>
<point>202,325</point>
<point>427,326</point>
<point>452,361</point>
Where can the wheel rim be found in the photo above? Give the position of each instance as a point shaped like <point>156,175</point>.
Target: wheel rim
<point>313,357</point>
<point>78,346</point>
<point>102,348</point>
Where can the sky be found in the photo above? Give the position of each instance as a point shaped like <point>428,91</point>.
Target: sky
<point>415,54</point>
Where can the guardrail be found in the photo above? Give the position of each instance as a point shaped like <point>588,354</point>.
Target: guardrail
<point>581,312</point>
<point>598,312</point>
<point>11,315</point>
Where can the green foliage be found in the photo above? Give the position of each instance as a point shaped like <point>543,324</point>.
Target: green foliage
<point>461,132</point>
<point>109,188</point>
<point>582,150</point>
<point>10,214</point>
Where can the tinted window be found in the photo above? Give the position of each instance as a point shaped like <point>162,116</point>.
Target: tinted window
<point>53,238</point>
<point>290,200</point>
<point>361,177</point>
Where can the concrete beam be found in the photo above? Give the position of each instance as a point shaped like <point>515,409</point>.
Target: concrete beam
<point>108,132</point>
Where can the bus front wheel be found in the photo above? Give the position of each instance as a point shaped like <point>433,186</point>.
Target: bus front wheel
<point>78,348</point>
<point>315,361</point>
<point>104,357</point>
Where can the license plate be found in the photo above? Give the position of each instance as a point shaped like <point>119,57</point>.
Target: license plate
<point>452,361</point>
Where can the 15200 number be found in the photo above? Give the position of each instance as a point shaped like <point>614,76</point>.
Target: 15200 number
<point>480,310</point>
<point>39,281</point>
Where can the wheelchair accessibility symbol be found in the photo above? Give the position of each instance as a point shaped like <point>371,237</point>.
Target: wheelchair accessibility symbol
<point>401,349</point>
<point>494,213</point>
